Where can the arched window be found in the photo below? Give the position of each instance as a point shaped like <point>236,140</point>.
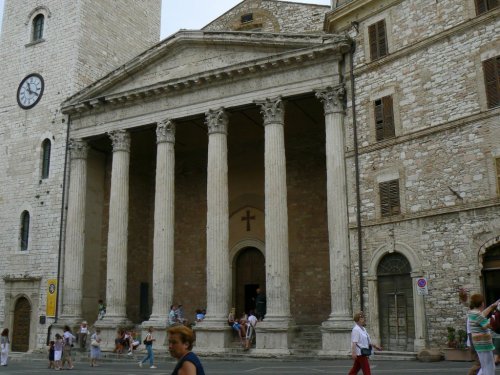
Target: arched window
<point>25,230</point>
<point>46,145</point>
<point>38,22</point>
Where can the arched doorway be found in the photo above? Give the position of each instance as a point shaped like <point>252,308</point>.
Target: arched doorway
<point>249,275</point>
<point>21,328</point>
<point>395,303</point>
<point>491,273</point>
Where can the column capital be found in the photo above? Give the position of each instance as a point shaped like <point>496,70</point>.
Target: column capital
<point>272,110</point>
<point>332,98</point>
<point>165,131</point>
<point>216,120</point>
<point>120,140</point>
<point>78,148</point>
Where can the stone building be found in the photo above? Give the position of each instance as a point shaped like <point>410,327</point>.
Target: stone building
<point>48,51</point>
<point>230,158</point>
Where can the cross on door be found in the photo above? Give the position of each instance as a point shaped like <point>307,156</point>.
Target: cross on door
<point>247,218</point>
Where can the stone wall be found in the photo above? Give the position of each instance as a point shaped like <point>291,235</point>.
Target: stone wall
<point>78,46</point>
<point>443,152</point>
<point>272,16</point>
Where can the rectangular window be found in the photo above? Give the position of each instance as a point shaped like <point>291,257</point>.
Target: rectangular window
<point>491,68</point>
<point>377,39</point>
<point>497,163</point>
<point>384,118</point>
<point>389,198</point>
<point>483,6</point>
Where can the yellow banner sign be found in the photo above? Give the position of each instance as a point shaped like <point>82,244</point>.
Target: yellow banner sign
<point>51,297</point>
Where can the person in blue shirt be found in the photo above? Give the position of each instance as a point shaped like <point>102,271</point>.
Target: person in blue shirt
<point>180,343</point>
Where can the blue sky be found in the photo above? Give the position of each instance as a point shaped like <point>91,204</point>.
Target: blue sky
<point>192,14</point>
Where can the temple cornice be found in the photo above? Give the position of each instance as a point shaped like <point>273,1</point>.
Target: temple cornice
<point>325,46</point>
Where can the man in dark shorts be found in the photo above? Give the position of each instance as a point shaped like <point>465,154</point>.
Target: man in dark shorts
<point>180,343</point>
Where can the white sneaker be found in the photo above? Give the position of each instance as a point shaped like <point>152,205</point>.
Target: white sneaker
<point>153,366</point>
<point>129,353</point>
<point>140,364</point>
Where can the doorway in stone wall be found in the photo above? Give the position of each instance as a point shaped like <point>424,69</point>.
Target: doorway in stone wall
<point>21,327</point>
<point>249,275</point>
<point>491,273</point>
<point>395,298</point>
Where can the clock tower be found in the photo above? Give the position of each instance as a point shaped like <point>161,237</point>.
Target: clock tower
<point>49,49</point>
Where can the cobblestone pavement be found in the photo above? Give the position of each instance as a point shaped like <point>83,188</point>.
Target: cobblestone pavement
<point>253,366</point>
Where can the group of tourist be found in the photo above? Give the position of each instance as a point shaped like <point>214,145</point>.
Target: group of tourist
<point>244,326</point>
<point>482,322</point>
<point>60,350</point>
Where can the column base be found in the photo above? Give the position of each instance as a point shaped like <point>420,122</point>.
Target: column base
<point>419,344</point>
<point>274,336</point>
<point>336,337</point>
<point>212,336</point>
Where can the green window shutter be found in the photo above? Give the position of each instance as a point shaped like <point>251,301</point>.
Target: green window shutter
<point>491,68</point>
<point>388,117</point>
<point>372,37</point>
<point>389,198</point>
<point>378,40</point>
<point>497,163</point>
<point>384,118</point>
<point>379,119</point>
<point>381,39</point>
<point>481,6</point>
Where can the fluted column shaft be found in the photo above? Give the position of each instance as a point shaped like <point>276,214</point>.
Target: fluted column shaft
<point>75,232</point>
<point>163,243</point>
<point>338,225</point>
<point>116,278</point>
<point>276,211</point>
<point>218,280</point>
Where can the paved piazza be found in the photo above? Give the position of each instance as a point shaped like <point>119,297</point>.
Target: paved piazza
<point>261,367</point>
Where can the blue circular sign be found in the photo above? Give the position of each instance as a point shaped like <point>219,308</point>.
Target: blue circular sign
<point>421,283</point>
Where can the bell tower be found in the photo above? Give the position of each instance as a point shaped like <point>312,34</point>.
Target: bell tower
<point>50,49</point>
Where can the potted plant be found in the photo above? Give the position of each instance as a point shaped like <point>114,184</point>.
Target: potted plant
<point>457,349</point>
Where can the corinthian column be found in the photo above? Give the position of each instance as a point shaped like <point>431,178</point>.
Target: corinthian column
<point>75,233</point>
<point>273,332</point>
<point>336,330</point>
<point>163,245</point>
<point>116,278</point>
<point>213,333</point>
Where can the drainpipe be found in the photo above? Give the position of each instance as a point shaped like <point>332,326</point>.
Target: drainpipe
<point>61,229</point>
<point>356,168</point>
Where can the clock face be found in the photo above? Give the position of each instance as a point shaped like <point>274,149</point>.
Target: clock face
<point>30,91</point>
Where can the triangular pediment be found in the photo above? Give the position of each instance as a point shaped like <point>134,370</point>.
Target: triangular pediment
<point>188,55</point>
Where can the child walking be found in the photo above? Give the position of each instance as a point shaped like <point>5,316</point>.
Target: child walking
<point>58,349</point>
<point>51,354</point>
